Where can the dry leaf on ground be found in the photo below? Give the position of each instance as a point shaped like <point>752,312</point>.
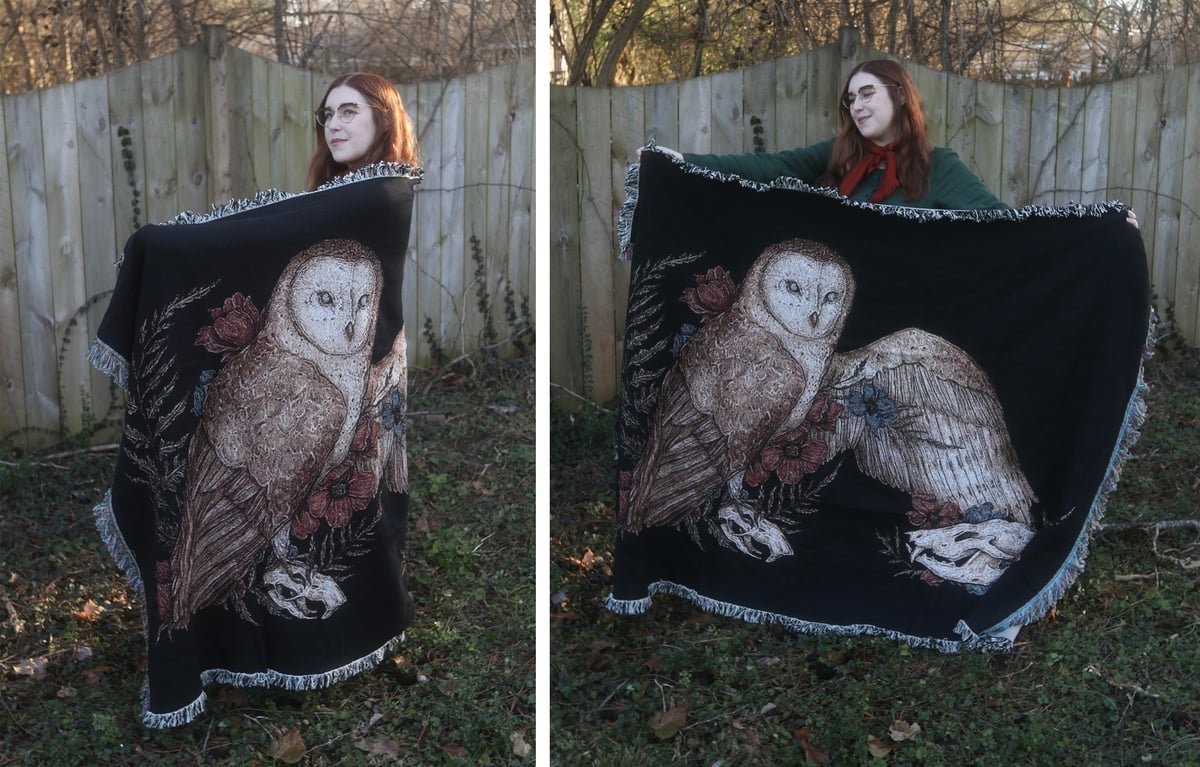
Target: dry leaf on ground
<point>519,746</point>
<point>666,723</point>
<point>902,730</point>
<point>288,748</point>
<point>877,747</point>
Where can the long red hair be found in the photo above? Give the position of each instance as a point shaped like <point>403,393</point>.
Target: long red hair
<point>397,140</point>
<point>911,143</point>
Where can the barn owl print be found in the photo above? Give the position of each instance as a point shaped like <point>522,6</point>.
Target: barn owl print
<point>290,438</point>
<point>758,394</point>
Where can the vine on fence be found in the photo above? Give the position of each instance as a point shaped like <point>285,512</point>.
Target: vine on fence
<point>130,167</point>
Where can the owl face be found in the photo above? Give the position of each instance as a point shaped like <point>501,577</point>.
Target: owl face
<point>808,296</point>
<point>333,301</point>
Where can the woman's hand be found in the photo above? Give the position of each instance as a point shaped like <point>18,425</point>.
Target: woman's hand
<point>668,150</point>
<point>1131,217</point>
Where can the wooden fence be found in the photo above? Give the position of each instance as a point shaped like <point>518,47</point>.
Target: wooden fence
<point>86,162</point>
<point>1135,140</point>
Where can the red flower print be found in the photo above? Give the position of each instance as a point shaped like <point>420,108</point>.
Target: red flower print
<point>793,456</point>
<point>929,579</point>
<point>756,474</point>
<point>343,492</point>
<point>824,412</point>
<point>713,294</point>
<point>304,525</point>
<point>234,326</point>
<point>927,512</point>
<point>366,437</point>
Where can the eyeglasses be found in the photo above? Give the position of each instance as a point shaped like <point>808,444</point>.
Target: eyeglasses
<point>345,113</point>
<point>865,94</point>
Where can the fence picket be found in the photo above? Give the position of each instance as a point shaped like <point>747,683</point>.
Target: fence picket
<point>88,161</point>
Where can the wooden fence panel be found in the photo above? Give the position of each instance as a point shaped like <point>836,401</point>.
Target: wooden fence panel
<point>12,373</point>
<point>1018,119</point>
<point>1187,270</point>
<point>35,285</point>
<point>100,246</point>
<point>568,353</point>
<point>64,229</point>
<point>1132,140</point>
<point>86,163</point>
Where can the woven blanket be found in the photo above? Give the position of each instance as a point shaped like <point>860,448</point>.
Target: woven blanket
<point>862,419</point>
<point>260,497</point>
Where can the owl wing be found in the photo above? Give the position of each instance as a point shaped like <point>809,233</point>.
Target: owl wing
<point>386,388</point>
<point>923,417</point>
<point>269,422</point>
<point>730,391</point>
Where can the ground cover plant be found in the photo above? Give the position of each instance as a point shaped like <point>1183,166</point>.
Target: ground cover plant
<point>459,690</point>
<point>1110,677</point>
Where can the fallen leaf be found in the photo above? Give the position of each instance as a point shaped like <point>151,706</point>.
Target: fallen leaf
<point>289,748</point>
<point>877,747</point>
<point>384,747</point>
<point>66,692</point>
<point>90,612</point>
<point>34,667</point>
<point>767,709</point>
<point>83,652</point>
<point>478,487</point>
<point>362,730</point>
<point>519,746</point>
<point>902,730</point>
<point>454,750</point>
<point>654,664</point>
<point>666,724</point>
<point>93,674</point>
<point>812,754</point>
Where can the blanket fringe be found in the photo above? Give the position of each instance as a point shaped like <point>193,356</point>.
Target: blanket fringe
<point>1131,430</point>
<point>268,678</point>
<point>625,216</point>
<point>106,359</point>
<point>272,196</point>
<point>969,641</point>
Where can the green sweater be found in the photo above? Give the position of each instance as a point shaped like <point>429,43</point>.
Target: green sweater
<point>952,185</point>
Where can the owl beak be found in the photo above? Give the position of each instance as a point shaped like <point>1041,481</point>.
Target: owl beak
<point>349,331</point>
<point>813,319</point>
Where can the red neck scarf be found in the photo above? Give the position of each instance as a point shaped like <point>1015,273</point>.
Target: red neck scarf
<point>876,154</point>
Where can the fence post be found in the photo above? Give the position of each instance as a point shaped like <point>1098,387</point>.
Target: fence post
<point>848,46</point>
<point>216,110</point>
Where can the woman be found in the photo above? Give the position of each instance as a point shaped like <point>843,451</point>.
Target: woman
<point>361,121</point>
<point>881,152</point>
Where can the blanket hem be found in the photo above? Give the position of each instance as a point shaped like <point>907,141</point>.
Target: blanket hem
<point>118,549</point>
<point>969,641</point>
<point>625,214</point>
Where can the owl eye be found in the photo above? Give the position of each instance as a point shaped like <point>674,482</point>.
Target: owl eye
<point>362,301</point>
<point>832,296</point>
<point>325,298</point>
<point>793,287</point>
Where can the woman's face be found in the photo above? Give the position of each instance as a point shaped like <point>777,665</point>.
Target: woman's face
<point>349,142</point>
<point>873,109</point>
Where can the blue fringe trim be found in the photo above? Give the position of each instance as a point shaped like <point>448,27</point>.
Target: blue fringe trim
<point>1069,210</point>
<point>1135,416</point>
<point>109,362</point>
<point>969,641</point>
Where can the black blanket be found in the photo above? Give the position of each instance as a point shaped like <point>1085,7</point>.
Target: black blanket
<point>261,493</point>
<point>853,418</point>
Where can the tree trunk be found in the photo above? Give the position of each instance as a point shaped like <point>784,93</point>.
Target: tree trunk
<point>281,43</point>
<point>701,36</point>
<point>578,68</point>
<point>612,53</point>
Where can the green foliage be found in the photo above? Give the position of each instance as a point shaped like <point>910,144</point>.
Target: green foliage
<point>130,165</point>
<point>1108,678</point>
<point>455,692</point>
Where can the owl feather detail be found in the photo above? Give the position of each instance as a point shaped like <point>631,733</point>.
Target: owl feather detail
<point>279,415</point>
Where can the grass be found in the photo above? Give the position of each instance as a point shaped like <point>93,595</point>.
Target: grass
<point>1110,677</point>
<point>457,691</point>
